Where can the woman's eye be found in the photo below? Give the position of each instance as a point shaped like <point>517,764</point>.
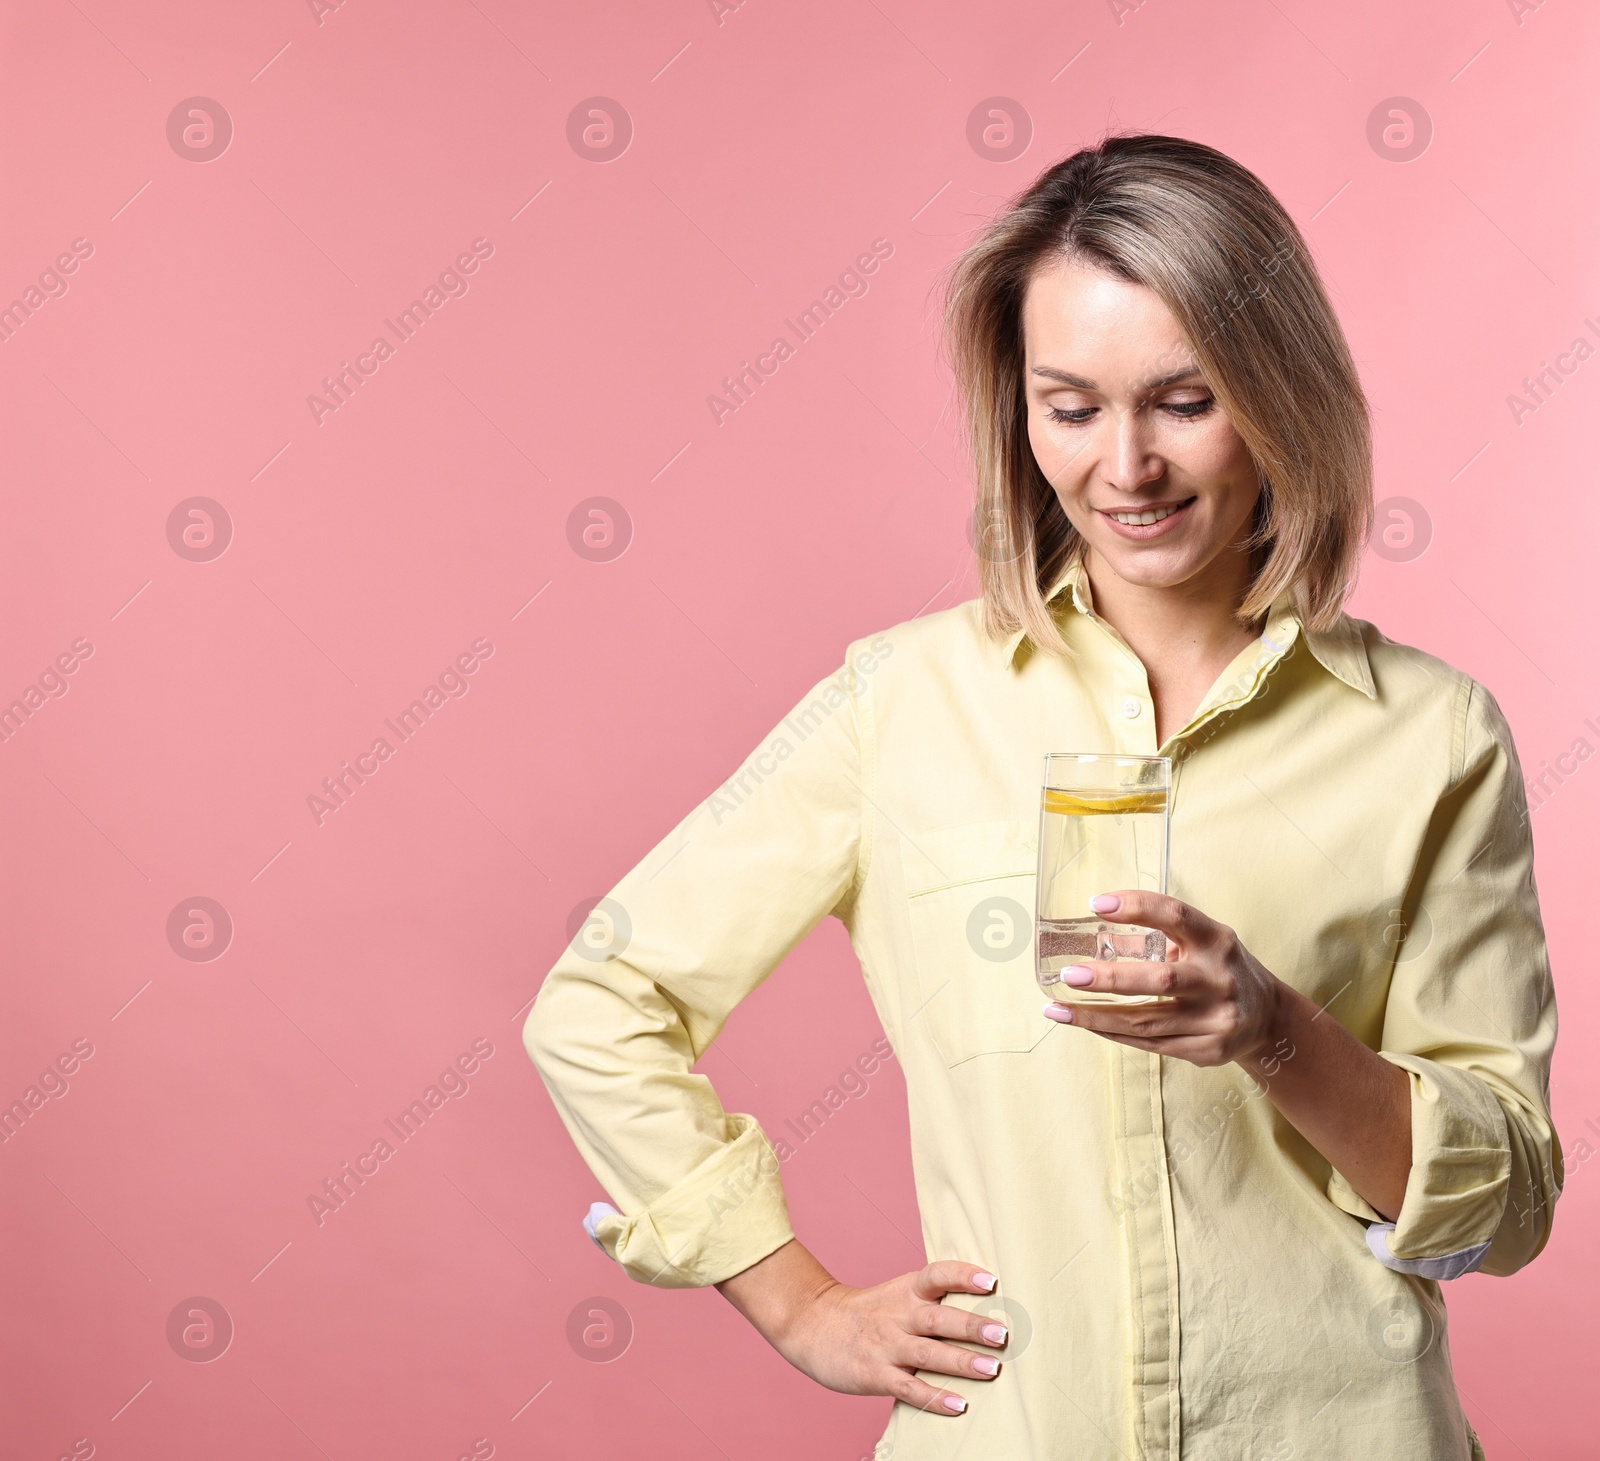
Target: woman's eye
<point>1079,415</point>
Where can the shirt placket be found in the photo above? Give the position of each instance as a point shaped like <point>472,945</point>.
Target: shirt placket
<point>1138,1111</point>
<point>1150,1253</point>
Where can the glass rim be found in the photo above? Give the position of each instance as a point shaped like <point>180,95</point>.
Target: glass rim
<point>1112,758</point>
<point>1103,756</point>
<point>1102,769</point>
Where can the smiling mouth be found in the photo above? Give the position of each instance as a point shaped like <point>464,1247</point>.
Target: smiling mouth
<point>1146,516</point>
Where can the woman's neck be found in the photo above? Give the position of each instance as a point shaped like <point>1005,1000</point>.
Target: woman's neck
<point>1184,634</point>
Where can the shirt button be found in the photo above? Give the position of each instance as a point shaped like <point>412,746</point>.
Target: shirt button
<point>1130,707</point>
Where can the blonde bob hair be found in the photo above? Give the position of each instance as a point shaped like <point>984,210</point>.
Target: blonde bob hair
<point>1205,235</point>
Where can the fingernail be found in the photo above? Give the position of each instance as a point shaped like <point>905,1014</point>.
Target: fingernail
<point>994,1333</point>
<point>984,1281</point>
<point>1057,1012</point>
<point>1105,902</point>
<point>1077,976</point>
<point>955,1403</point>
<point>986,1364</point>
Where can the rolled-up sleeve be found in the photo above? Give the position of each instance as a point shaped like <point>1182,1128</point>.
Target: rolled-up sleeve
<point>1471,1019</point>
<point>647,984</point>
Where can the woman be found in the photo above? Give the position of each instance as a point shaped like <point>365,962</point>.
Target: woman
<point>1212,1226</point>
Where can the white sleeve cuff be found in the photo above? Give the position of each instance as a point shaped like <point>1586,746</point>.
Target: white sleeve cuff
<point>598,1210</point>
<point>1451,1265</point>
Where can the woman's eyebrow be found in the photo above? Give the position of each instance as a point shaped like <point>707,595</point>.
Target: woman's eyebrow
<point>1078,382</point>
<point>1189,372</point>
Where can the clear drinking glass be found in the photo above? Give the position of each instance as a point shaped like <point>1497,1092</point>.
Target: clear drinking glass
<point>1102,828</point>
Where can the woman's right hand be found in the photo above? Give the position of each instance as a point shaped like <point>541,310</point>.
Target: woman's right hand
<point>870,1341</point>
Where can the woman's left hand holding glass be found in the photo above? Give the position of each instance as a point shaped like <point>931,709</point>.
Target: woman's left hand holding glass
<point>1218,1002</point>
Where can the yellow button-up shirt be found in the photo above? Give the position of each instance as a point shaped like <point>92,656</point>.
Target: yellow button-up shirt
<point>1182,1273</point>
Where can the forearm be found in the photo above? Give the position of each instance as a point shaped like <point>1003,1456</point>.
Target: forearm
<point>772,1292</point>
<point>1350,1103</point>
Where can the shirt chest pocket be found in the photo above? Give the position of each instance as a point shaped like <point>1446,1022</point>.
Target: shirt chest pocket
<point>970,892</point>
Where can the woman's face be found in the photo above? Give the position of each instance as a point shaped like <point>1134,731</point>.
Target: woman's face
<point>1147,465</point>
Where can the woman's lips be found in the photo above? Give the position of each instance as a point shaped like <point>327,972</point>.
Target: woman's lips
<point>1143,532</point>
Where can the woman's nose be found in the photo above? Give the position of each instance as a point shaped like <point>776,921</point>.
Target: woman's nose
<point>1129,462</point>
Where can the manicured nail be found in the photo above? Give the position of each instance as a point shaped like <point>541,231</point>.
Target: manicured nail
<point>1057,1012</point>
<point>1105,902</point>
<point>1077,976</point>
<point>994,1333</point>
<point>984,1281</point>
<point>955,1403</point>
<point>986,1364</point>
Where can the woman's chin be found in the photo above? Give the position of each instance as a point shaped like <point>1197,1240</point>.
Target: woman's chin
<point>1151,565</point>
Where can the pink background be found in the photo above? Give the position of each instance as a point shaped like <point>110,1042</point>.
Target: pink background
<point>771,145</point>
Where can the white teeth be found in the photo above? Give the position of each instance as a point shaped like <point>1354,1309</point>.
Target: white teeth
<point>1144,518</point>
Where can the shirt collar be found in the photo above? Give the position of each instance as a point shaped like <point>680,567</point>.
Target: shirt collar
<point>1340,650</point>
<point>1071,581</point>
